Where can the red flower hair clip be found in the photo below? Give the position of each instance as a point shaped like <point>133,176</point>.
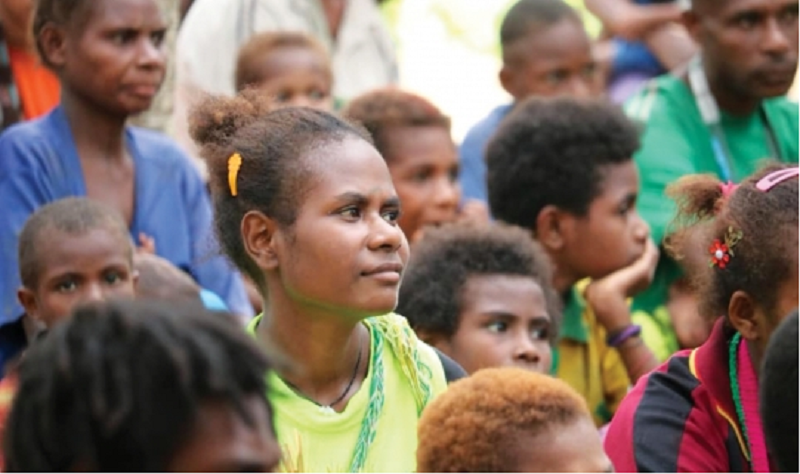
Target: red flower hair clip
<point>721,252</point>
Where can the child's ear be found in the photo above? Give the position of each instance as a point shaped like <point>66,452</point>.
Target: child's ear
<point>258,237</point>
<point>507,76</point>
<point>27,299</point>
<point>743,315</point>
<point>53,46</point>
<point>550,228</point>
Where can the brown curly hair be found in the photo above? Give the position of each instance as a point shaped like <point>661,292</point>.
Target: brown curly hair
<point>259,46</point>
<point>474,425</point>
<point>382,110</point>
<point>274,172</point>
<point>765,256</point>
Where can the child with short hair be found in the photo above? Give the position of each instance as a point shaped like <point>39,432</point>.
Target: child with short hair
<point>546,52</point>
<point>305,206</point>
<point>413,136</point>
<point>483,296</point>
<point>291,67</point>
<point>562,169</point>
<point>71,251</point>
<point>699,411</point>
<point>142,386</point>
<point>509,420</point>
<point>778,387</point>
<point>109,58</point>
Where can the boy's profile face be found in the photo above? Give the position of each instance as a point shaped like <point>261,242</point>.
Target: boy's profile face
<point>76,269</point>
<point>555,61</point>
<point>296,76</point>
<point>611,235</point>
<point>503,323</point>
<point>221,441</point>
<point>571,447</point>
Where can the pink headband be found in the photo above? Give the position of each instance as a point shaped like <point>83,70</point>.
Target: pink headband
<point>776,177</point>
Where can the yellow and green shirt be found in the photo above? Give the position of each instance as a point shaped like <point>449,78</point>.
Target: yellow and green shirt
<point>585,362</point>
<point>317,440</point>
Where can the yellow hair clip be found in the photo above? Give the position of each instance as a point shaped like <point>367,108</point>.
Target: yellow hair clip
<point>234,163</point>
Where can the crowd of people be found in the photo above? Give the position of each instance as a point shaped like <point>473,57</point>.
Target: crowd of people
<point>232,241</point>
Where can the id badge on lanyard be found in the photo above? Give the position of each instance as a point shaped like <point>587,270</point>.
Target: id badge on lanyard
<point>709,111</point>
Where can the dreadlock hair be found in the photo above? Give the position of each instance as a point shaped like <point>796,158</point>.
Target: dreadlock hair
<point>251,55</point>
<point>276,161</point>
<point>474,426</point>
<point>529,17</point>
<point>764,257</point>
<point>60,13</point>
<point>73,216</point>
<point>778,394</point>
<point>431,296</point>
<point>555,152</point>
<point>119,385</point>
<point>383,110</point>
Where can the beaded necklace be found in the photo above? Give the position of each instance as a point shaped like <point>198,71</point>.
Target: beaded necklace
<point>744,386</point>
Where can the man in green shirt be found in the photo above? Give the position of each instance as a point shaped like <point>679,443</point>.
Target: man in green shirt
<point>723,114</point>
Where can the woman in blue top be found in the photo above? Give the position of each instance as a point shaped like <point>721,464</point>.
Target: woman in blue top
<point>109,58</point>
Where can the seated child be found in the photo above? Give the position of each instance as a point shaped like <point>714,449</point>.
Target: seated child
<point>509,420</point>
<point>71,251</point>
<point>562,169</point>
<point>293,68</point>
<point>142,386</point>
<point>699,411</point>
<point>778,393</point>
<point>546,53</point>
<point>413,136</point>
<point>483,296</point>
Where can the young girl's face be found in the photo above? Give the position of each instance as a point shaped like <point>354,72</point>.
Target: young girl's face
<point>114,57</point>
<point>611,235</point>
<point>297,76</point>
<point>345,253</point>
<point>77,269</point>
<point>503,323</point>
<point>424,167</point>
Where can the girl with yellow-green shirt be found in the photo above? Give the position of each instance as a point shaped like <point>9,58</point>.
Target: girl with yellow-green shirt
<point>305,206</point>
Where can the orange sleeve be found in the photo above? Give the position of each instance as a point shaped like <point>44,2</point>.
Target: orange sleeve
<point>39,89</point>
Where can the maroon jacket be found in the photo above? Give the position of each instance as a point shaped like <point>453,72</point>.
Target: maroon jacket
<point>681,417</point>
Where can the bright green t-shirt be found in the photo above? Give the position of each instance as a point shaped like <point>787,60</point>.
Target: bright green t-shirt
<point>317,440</point>
<point>675,142</point>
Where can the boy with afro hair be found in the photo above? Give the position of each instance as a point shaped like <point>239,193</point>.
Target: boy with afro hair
<point>482,295</point>
<point>562,169</point>
<point>509,420</point>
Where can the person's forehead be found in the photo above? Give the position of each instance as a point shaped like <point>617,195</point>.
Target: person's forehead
<point>724,8</point>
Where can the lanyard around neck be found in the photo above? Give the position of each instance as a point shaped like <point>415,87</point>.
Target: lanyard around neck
<point>709,111</point>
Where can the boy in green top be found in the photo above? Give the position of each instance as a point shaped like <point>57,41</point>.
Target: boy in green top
<point>562,169</point>
<point>723,114</point>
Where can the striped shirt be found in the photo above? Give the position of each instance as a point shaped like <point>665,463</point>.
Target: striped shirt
<point>681,417</point>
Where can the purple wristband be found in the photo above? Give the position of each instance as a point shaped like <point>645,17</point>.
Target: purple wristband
<point>616,340</point>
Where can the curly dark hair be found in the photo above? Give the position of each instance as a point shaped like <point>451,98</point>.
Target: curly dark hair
<point>274,172</point>
<point>475,424</point>
<point>59,12</point>
<point>555,152</point>
<point>382,110</point>
<point>118,386</point>
<point>778,394</point>
<point>765,256</point>
<point>73,216</point>
<point>251,54</point>
<point>432,291</point>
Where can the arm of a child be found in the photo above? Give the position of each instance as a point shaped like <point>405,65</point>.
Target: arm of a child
<point>608,298</point>
<point>633,22</point>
